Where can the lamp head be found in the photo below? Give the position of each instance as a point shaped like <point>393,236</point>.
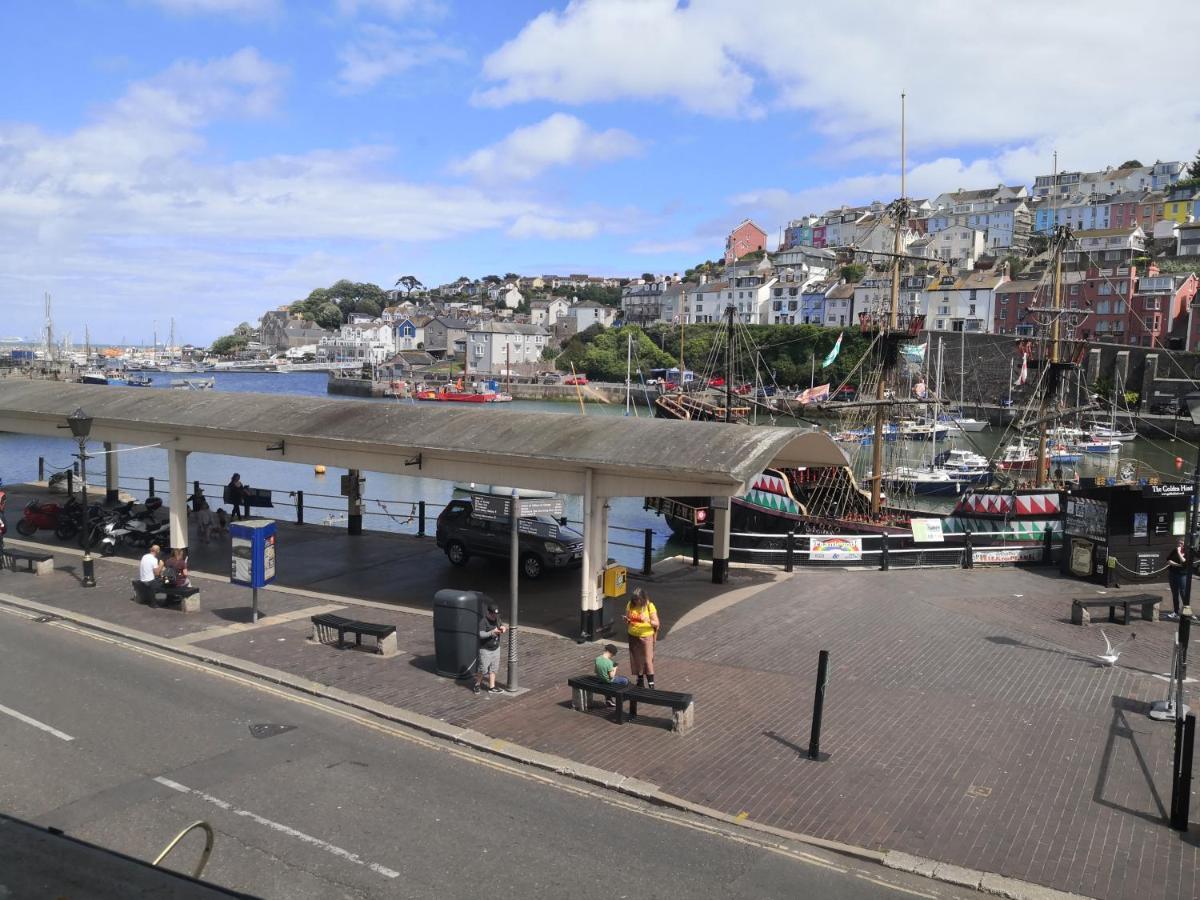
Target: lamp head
<point>80,423</point>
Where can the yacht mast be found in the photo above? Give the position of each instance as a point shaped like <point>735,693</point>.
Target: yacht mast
<point>885,328</point>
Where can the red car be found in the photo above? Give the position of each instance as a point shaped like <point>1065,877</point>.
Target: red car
<point>575,379</point>
<point>716,382</point>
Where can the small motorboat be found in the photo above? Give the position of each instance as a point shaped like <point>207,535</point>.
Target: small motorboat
<point>1100,446</point>
<point>139,379</point>
<point>1018,456</point>
<point>922,480</point>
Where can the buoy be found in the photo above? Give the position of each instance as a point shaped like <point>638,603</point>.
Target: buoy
<point>320,470</point>
<point>1178,463</point>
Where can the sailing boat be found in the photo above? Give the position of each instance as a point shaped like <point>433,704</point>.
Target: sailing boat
<point>1101,432</point>
<point>954,416</point>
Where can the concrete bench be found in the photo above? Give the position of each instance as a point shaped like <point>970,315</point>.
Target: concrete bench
<point>326,624</point>
<point>38,562</point>
<point>681,705</point>
<point>1149,604</point>
<point>187,598</point>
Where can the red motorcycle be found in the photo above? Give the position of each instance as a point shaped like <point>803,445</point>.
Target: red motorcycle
<point>38,515</point>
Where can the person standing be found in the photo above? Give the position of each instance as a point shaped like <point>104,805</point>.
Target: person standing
<point>641,619</point>
<point>1177,564</point>
<point>490,632</point>
<point>235,495</point>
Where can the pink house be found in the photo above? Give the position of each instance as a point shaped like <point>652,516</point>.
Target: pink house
<point>746,238</point>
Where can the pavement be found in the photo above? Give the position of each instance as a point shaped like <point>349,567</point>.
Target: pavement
<point>972,733</point>
<point>124,746</point>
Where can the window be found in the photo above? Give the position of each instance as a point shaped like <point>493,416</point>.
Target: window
<point>778,292</point>
<point>971,310</point>
<point>1103,308</point>
<point>1151,303</point>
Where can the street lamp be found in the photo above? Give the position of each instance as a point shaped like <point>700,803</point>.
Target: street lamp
<point>1181,773</point>
<point>80,424</point>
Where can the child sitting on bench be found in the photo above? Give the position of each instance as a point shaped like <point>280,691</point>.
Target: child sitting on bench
<point>606,670</point>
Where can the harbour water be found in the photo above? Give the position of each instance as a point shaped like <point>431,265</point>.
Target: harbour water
<point>391,499</point>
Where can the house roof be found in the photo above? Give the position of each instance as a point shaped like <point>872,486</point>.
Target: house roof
<point>1020,286</point>
<point>1107,232</point>
<point>842,291</point>
<point>508,328</point>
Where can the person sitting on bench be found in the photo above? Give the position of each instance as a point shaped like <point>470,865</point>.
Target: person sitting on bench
<point>150,569</point>
<point>606,670</point>
<point>175,570</point>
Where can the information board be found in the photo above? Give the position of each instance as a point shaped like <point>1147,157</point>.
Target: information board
<point>1148,562</point>
<point>1141,524</point>
<point>834,547</point>
<point>927,530</point>
<point>1087,518</point>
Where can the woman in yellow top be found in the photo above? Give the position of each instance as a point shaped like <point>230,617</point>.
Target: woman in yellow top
<point>641,619</point>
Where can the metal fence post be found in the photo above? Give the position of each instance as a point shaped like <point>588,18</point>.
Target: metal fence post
<point>70,482</point>
<point>883,555</point>
<point>420,518</point>
<point>1048,546</point>
<point>1182,809</point>
<point>968,560</point>
<point>299,507</point>
<point>814,739</point>
<point>41,468</point>
<point>151,494</point>
<point>696,546</point>
<point>789,562</point>
<point>647,552</point>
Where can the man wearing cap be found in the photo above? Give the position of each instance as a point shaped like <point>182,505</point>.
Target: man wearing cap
<point>490,631</point>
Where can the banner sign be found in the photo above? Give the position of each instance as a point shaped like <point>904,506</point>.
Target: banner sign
<point>1166,490</point>
<point>835,547</point>
<point>928,530</point>
<point>1003,555</point>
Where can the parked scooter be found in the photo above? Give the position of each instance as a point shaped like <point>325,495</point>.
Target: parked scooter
<point>138,529</point>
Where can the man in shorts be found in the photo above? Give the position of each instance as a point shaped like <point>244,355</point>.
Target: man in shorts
<point>490,631</point>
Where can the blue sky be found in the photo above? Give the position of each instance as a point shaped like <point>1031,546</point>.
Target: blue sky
<point>211,159</point>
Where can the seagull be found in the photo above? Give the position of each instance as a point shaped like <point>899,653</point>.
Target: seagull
<point>1112,653</point>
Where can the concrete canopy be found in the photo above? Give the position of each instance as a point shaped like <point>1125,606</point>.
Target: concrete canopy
<point>627,457</point>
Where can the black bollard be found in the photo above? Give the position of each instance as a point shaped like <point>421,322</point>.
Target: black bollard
<point>814,739</point>
<point>1185,773</point>
<point>789,562</point>
<point>151,491</point>
<point>696,546</point>
<point>968,560</point>
<point>41,468</point>
<point>70,482</point>
<point>883,555</point>
<point>420,518</point>
<point>1048,547</point>
<point>299,507</point>
<point>648,552</point>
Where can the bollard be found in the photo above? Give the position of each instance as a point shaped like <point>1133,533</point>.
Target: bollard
<point>968,560</point>
<point>647,552</point>
<point>70,482</point>
<point>299,507</point>
<point>814,739</point>
<point>789,563</point>
<point>75,467</point>
<point>41,468</point>
<point>420,518</point>
<point>1185,772</point>
<point>151,480</point>
<point>696,546</point>
<point>1048,546</point>
<point>883,554</point>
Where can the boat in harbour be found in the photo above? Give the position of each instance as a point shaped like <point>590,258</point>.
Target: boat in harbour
<point>482,393</point>
<point>193,384</point>
<point>138,379</point>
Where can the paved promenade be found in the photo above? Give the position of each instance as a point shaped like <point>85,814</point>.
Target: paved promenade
<point>967,721</point>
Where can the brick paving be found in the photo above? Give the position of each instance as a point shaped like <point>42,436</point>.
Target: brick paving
<point>966,719</point>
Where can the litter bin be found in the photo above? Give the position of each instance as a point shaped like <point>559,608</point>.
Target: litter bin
<point>456,616</point>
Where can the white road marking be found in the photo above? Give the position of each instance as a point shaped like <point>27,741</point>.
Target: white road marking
<point>280,827</point>
<point>61,735</point>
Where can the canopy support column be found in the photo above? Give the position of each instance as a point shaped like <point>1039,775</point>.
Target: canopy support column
<point>720,550</point>
<point>177,474</point>
<point>590,568</point>
<point>112,490</point>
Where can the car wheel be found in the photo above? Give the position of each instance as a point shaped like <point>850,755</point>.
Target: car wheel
<point>456,552</point>
<point>26,527</point>
<point>532,566</point>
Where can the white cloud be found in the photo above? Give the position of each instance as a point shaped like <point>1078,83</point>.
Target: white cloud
<point>393,9</point>
<point>559,140</point>
<point>539,226</point>
<point>249,9</point>
<point>130,212</point>
<point>1023,74</point>
<point>378,52</point>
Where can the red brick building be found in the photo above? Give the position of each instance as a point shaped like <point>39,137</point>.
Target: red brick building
<point>746,238</point>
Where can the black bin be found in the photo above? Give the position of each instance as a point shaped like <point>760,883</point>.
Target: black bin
<point>456,616</point>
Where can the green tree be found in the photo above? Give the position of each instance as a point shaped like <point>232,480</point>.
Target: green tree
<point>1131,164</point>
<point>600,352</point>
<point>648,276</point>
<point>1038,244</point>
<point>409,282</point>
<point>853,272</point>
<point>229,345</point>
<point>1193,169</point>
<point>328,316</point>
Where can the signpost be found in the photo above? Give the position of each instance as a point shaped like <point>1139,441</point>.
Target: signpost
<point>253,561</point>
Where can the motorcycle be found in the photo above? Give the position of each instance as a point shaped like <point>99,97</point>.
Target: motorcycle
<point>70,520</point>
<point>36,516</point>
<point>138,529</point>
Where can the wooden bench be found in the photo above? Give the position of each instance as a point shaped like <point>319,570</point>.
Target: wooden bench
<point>1149,604</point>
<point>583,686</point>
<point>188,598</point>
<point>39,562</point>
<point>327,623</point>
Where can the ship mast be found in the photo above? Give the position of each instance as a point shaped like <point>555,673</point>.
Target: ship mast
<point>1049,386</point>
<point>885,328</point>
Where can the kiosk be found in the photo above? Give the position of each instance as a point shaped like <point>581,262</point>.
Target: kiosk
<point>253,560</point>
